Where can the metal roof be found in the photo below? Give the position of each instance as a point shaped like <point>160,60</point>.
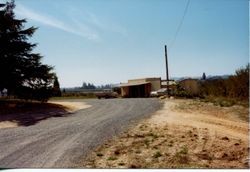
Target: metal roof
<point>133,84</point>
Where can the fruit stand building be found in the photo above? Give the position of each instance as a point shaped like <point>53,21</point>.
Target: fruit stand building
<point>140,87</point>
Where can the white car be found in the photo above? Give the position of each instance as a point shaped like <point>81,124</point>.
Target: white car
<point>153,94</point>
<point>160,92</point>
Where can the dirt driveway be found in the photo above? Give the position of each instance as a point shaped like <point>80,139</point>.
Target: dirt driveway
<point>52,137</point>
<point>183,134</point>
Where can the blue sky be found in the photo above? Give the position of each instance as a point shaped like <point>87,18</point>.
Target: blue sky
<point>111,41</point>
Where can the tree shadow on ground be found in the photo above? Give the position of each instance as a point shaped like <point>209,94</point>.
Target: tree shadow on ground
<point>29,113</point>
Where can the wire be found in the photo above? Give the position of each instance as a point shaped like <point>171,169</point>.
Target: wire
<point>179,27</point>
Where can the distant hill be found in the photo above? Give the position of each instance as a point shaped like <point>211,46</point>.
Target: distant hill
<point>209,77</point>
<point>218,77</point>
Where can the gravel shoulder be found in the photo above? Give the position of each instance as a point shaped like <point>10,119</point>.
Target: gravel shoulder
<point>63,139</point>
<point>183,134</point>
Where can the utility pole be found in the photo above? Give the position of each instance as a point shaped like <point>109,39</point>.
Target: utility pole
<point>166,56</point>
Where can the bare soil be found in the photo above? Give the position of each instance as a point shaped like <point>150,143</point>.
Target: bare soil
<point>183,134</point>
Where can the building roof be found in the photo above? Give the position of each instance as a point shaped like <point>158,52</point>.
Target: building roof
<point>133,84</point>
<point>145,79</point>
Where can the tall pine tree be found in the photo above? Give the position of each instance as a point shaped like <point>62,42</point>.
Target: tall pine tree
<point>21,70</point>
<point>56,88</point>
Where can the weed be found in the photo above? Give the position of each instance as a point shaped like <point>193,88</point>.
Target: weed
<point>157,154</point>
<point>111,158</point>
<point>99,154</point>
<point>155,147</point>
<point>181,156</point>
<point>137,151</point>
<point>155,136</point>
<point>190,133</point>
<point>184,150</point>
<point>117,152</point>
<point>146,142</point>
<point>139,135</point>
<point>121,163</point>
<point>170,145</point>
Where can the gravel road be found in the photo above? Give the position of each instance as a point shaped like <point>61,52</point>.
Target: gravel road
<point>62,141</point>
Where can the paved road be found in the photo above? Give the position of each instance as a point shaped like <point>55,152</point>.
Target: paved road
<point>61,141</point>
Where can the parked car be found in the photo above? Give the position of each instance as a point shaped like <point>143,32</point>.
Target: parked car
<point>107,93</point>
<point>158,93</point>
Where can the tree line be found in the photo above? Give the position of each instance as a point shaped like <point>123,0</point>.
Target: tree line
<point>21,71</point>
<point>92,86</point>
<point>235,86</point>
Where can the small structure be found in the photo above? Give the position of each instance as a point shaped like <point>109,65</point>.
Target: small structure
<point>140,87</point>
<point>190,85</point>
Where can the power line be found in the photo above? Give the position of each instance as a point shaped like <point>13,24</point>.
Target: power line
<point>179,27</point>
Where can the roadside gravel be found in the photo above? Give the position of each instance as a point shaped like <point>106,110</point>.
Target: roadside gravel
<point>61,141</point>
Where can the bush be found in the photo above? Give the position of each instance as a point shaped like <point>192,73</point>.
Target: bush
<point>236,86</point>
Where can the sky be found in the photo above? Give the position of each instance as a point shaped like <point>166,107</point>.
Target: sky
<point>111,41</point>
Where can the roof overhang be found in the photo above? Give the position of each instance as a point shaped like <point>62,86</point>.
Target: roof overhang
<point>133,84</point>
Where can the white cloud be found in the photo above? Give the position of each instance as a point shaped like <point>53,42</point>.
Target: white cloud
<point>106,25</point>
<point>79,29</point>
<point>98,22</point>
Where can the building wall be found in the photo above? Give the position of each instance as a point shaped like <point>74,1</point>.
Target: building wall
<point>190,85</point>
<point>124,91</point>
<point>155,85</point>
<point>136,90</point>
<point>155,82</point>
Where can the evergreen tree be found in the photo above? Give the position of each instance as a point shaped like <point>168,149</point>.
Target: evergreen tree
<point>56,88</point>
<point>84,85</point>
<point>203,76</point>
<point>21,70</point>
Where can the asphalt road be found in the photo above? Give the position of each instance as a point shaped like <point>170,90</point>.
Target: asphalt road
<point>62,141</point>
